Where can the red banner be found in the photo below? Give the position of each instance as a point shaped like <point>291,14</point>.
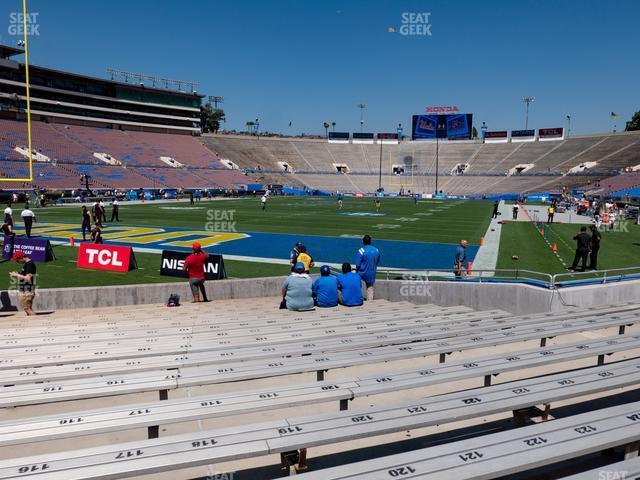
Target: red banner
<point>106,257</point>
<point>499,134</point>
<point>550,132</point>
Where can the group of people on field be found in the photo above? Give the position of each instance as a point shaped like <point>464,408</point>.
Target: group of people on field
<point>8,224</point>
<point>92,219</point>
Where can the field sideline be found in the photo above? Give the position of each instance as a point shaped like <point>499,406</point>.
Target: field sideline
<point>425,227</point>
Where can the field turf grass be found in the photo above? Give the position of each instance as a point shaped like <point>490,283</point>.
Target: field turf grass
<point>618,249</point>
<point>429,221</point>
<point>439,221</point>
<point>442,221</point>
<point>63,272</point>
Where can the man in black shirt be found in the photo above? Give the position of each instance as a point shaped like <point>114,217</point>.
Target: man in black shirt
<point>596,236</point>
<point>26,279</point>
<point>582,249</point>
<point>496,205</point>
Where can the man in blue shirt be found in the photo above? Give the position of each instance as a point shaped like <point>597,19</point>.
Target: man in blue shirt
<point>460,260</point>
<point>350,287</point>
<point>367,261</point>
<point>325,289</point>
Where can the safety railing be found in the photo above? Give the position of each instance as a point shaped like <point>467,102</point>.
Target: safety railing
<point>611,275</point>
<point>530,277</point>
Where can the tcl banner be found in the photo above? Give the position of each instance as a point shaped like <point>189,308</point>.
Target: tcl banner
<point>106,257</point>
<point>550,133</point>
<point>172,263</point>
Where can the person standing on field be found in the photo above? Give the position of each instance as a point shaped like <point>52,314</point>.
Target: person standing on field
<point>583,244</point>
<point>115,209</point>
<point>28,217</point>
<point>495,213</point>
<point>86,222</point>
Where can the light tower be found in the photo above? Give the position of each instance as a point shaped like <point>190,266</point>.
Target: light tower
<point>361,106</point>
<point>528,101</point>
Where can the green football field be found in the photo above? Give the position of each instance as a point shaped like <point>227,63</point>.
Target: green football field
<point>618,249</point>
<point>444,221</point>
<point>436,221</point>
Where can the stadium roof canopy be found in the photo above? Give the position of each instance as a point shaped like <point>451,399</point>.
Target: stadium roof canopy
<point>7,52</point>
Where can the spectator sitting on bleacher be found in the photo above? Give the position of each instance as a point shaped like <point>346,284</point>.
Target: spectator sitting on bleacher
<point>297,290</point>
<point>325,289</point>
<point>349,287</point>
<point>305,258</point>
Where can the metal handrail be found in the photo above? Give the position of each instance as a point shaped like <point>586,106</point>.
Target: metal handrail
<point>598,276</point>
<point>547,280</point>
<point>476,275</point>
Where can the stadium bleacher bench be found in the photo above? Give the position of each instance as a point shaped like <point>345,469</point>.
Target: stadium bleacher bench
<point>625,470</point>
<point>162,381</point>
<point>505,453</point>
<point>153,414</point>
<point>291,344</point>
<point>291,437</point>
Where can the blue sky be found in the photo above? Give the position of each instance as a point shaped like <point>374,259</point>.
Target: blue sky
<point>313,61</point>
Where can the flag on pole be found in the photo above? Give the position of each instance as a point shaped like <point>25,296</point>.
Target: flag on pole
<point>613,116</point>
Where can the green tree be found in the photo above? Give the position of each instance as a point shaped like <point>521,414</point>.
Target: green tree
<point>333,126</point>
<point>250,124</point>
<point>326,129</point>
<point>634,124</point>
<point>210,118</point>
<point>474,132</point>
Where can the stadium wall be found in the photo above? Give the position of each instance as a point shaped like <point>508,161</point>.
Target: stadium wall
<point>518,299</point>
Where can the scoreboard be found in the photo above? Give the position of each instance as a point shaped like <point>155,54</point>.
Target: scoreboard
<point>453,126</point>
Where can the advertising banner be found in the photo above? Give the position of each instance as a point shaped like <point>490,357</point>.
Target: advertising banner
<point>112,258</point>
<point>172,263</point>
<point>37,249</point>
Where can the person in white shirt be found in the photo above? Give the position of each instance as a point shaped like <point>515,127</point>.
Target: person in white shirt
<point>263,202</point>
<point>115,207</point>
<point>8,215</point>
<point>29,218</point>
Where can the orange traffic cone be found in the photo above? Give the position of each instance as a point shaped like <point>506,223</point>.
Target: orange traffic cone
<point>469,265</point>
<point>481,241</point>
<point>72,241</point>
<point>554,248</point>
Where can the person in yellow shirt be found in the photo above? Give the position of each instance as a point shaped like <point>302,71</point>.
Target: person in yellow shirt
<point>550,212</point>
<point>305,258</point>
